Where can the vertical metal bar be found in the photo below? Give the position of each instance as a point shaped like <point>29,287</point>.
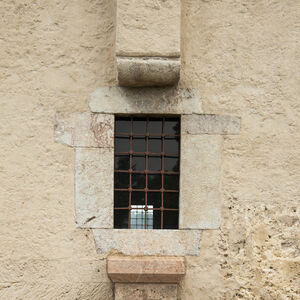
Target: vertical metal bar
<point>146,171</point>
<point>130,172</point>
<point>162,174</point>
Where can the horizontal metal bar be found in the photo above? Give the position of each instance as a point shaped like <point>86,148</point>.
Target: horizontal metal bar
<point>142,208</point>
<point>146,134</point>
<point>148,153</point>
<point>147,172</point>
<point>145,190</point>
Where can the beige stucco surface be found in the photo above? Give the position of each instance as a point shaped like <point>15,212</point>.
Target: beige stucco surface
<point>148,28</point>
<point>242,55</point>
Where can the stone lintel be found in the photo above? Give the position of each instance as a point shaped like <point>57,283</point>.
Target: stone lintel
<point>149,269</point>
<point>85,130</point>
<point>149,100</point>
<point>137,291</point>
<point>94,187</point>
<point>148,242</point>
<point>145,71</point>
<point>210,124</point>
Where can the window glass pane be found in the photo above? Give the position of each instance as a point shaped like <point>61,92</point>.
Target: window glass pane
<point>170,219</point>
<point>138,181</point>
<point>155,126</point>
<point>138,198</point>
<point>138,144</point>
<point>122,125</point>
<point>149,219</point>
<point>139,126</point>
<point>121,199</point>
<point>172,146</point>
<point>171,200</point>
<point>172,126</point>
<point>171,164</point>
<point>122,144</point>
<point>154,163</point>
<point>171,182</point>
<point>121,218</point>
<point>154,145</point>
<point>121,162</point>
<point>154,199</point>
<point>121,180</point>
<point>154,181</point>
<point>137,217</point>
<point>138,163</point>
<point>156,219</point>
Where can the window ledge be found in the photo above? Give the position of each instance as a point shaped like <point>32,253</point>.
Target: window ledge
<point>148,242</point>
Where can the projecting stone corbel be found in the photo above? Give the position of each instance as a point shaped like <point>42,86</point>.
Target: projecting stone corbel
<point>148,42</point>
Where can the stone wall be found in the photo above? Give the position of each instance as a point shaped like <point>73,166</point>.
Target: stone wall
<point>242,55</point>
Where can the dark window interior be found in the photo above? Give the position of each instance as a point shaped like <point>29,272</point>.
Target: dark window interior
<point>146,181</point>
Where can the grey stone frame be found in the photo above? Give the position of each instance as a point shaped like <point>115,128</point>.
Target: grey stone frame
<point>92,136</point>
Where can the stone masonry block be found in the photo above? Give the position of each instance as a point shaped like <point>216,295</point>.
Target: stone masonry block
<point>94,187</point>
<point>200,179</point>
<point>85,129</point>
<point>137,71</point>
<point>148,28</point>
<point>148,242</point>
<point>168,100</point>
<point>210,124</point>
<point>141,291</point>
<point>147,269</point>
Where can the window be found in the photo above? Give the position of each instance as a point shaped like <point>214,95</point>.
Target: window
<point>146,179</point>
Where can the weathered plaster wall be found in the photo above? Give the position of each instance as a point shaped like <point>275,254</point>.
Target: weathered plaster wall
<point>243,55</point>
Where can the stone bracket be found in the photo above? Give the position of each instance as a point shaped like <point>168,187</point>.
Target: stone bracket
<point>148,42</point>
<point>148,71</point>
<point>148,269</point>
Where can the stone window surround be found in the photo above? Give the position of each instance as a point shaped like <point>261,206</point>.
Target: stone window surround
<point>92,136</point>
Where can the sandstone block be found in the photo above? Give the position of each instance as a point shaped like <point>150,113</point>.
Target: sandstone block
<point>148,242</point>
<point>85,129</point>
<point>210,124</point>
<point>200,179</point>
<point>136,71</point>
<point>145,269</point>
<point>94,187</point>
<point>145,291</point>
<point>168,100</point>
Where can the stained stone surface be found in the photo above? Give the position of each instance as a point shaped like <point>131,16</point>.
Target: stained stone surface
<point>139,291</point>
<point>210,124</point>
<point>148,242</point>
<point>94,187</point>
<point>149,100</point>
<point>147,269</point>
<point>200,179</point>
<point>84,129</point>
<point>148,28</point>
<point>137,71</point>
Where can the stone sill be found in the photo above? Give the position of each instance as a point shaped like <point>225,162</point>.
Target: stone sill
<point>145,269</point>
<point>148,241</point>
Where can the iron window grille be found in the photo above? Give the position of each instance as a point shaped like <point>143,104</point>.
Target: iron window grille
<point>146,172</point>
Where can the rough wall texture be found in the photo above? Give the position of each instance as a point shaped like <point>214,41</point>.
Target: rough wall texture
<point>243,55</point>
